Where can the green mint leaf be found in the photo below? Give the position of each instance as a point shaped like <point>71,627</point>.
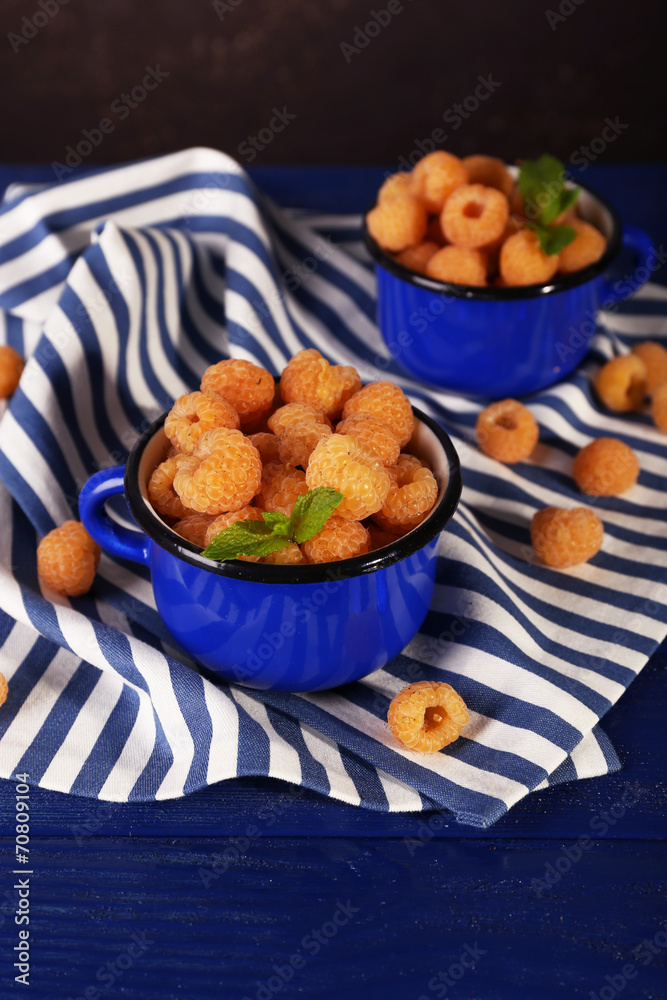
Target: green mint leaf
<point>311,512</point>
<point>244,538</point>
<point>568,198</point>
<point>278,522</point>
<point>554,238</point>
<point>542,187</point>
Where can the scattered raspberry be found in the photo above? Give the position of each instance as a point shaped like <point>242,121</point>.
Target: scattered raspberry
<point>409,500</point>
<point>4,689</point>
<point>427,716</point>
<point>507,431</point>
<point>297,443</point>
<point>490,172</point>
<point>222,521</point>
<point>605,468</point>
<point>474,215</point>
<point>194,527</point>
<point>459,265</point>
<point>435,177</point>
<point>161,492</point>
<point>223,474</point>
<point>249,388</point>
<point>654,357</point>
<point>396,186</point>
<point>621,383</point>
<point>296,413</point>
<point>267,446</point>
<point>586,248</point>
<point>11,369</point>
<point>564,538</point>
<point>341,462</point>
<point>523,262</point>
<point>340,538</point>
<point>281,485</point>
<point>194,414</point>
<point>387,402</point>
<point>291,555</point>
<point>398,223</point>
<point>416,258</point>
<point>309,378</point>
<point>374,434</point>
<point>67,559</point>
<point>659,407</point>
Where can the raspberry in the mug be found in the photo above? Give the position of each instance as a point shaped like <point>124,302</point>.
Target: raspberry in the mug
<point>409,501</point>
<point>395,186</point>
<point>67,559</point>
<point>195,413</point>
<point>223,474</point>
<point>267,446</point>
<point>416,258</point>
<point>621,383</point>
<point>161,492</point>
<point>474,216</point>
<point>281,485</point>
<point>4,689</point>
<point>606,467</point>
<point>11,369</point>
<point>387,402</point>
<point>427,716</point>
<point>194,527</point>
<point>340,538</point>
<point>297,443</point>
<point>309,378</point>
<point>398,223</point>
<point>586,248</point>
<point>296,413</point>
<point>435,177</point>
<point>489,171</point>
<point>460,265</point>
<point>434,233</point>
<point>659,407</point>
<point>563,538</point>
<point>342,463</point>
<point>291,555</point>
<point>372,433</point>
<point>654,357</point>
<point>523,262</point>
<point>222,521</point>
<point>380,537</point>
<point>249,388</point>
<point>507,431</point>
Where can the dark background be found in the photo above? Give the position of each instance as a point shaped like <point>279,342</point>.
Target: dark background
<point>228,69</point>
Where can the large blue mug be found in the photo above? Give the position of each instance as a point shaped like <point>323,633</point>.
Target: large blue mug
<point>281,628</point>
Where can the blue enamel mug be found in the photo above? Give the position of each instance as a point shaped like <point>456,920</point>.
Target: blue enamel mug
<point>498,342</point>
<point>279,628</point>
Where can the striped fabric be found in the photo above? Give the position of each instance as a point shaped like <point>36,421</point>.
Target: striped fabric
<point>121,287</point>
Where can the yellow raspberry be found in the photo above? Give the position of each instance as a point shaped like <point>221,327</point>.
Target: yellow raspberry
<point>67,559</point>
<point>291,555</point>
<point>341,462</point>
<point>621,383</point>
<point>586,248</point>
<point>267,446</point>
<point>340,538</point>
<point>416,258</point>
<point>563,538</point>
<point>523,262</point>
<point>4,689</point>
<point>398,223</point>
<point>296,444</point>
<point>489,171</point>
<point>223,474</point>
<point>309,378</point>
<point>459,265</point>
<point>193,528</point>
<point>372,433</point>
<point>11,369</point>
<point>387,402</point>
<point>427,716</point>
<point>296,413</point>
<point>395,186</point>
<point>222,521</point>
<point>281,485</point>
<point>435,177</point>
<point>161,492</point>
<point>474,216</point>
<point>659,407</point>
<point>654,357</point>
<point>249,388</point>
<point>409,500</point>
<point>507,431</point>
<point>606,467</point>
<point>195,413</point>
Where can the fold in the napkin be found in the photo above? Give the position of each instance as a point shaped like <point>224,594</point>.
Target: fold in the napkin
<point>120,288</point>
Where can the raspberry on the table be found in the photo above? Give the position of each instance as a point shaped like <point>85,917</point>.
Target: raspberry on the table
<point>416,258</point>
<point>372,433</point>
<point>161,492</point>
<point>195,413</point>
<point>4,689</point>
<point>281,485</point>
<point>340,538</point>
<point>507,431</point>
<point>489,171</point>
<point>342,463</point>
<point>309,378</point>
<point>193,528</point>
<point>387,402</point>
<point>474,215</point>
<point>11,369</point>
<point>223,474</point>
<point>296,413</point>
<point>563,538</point>
<point>586,248</point>
<point>398,223</point>
<point>249,388</point>
<point>291,555</point>
<point>436,176</point>
<point>427,716</point>
<point>459,265</point>
<point>606,467</point>
<point>654,357</point>
<point>267,446</point>
<point>298,442</point>
<point>222,521</point>
<point>523,262</point>
<point>409,500</point>
<point>659,407</point>
<point>67,559</point>
<point>621,383</point>
<point>395,186</point>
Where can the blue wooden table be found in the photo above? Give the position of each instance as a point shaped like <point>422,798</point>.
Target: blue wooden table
<point>256,889</point>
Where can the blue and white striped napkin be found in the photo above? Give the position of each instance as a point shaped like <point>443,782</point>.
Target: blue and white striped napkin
<point>120,288</point>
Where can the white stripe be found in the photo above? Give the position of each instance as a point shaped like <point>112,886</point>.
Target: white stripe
<point>283,759</point>
<point>325,750</point>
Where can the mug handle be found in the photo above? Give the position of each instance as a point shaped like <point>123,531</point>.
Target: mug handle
<point>642,245</point>
<point>112,537</point>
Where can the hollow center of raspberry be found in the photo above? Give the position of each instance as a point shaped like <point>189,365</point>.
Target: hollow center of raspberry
<point>507,422</point>
<point>473,210</point>
<point>433,717</point>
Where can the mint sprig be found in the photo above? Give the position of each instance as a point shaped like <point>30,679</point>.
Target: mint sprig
<point>275,531</point>
<point>542,187</point>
